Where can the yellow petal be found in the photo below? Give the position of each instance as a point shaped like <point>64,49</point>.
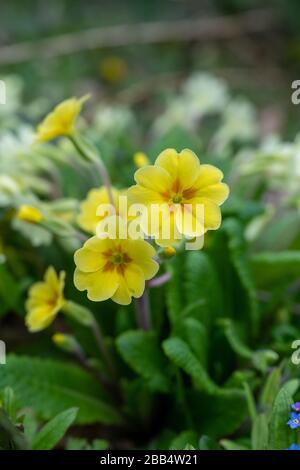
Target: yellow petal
<point>141,254</point>
<point>141,195</point>
<point>100,285</point>
<point>154,178</point>
<point>218,192</point>
<point>212,214</point>
<point>135,280</point>
<point>40,317</point>
<point>168,159</point>
<point>122,295</point>
<point>208,175</point>
<point>88,261</point>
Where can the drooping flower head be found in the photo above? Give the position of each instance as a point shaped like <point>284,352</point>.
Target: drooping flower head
<point>114,268</point>
<point>60,122</point>
<point>178,185</point>
<point>294,421</point>
<point>45,300</point>
<point>88,218</point>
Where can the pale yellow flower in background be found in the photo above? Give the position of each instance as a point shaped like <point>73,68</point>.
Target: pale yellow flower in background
<point>115,269</point>
<point>45,300</point>
<point>60,122</point>
<point>58,338</point>
<point>88,218</point>
<point>29,214</point>
<point>113,69</point>
<point>140,159</point>
<point>175,180</point>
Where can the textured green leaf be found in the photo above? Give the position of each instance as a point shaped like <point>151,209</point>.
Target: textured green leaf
<point>260,433</point>
<point>184,439</point>
<point>143,354</point>
<point>239,259</point>
<point>270,268</point>
<point>201,285</point>
<point>180,353</point>
<point>281,436</point>
<point>271,387</point>
<point>54,430</point>
<point>50,387</point>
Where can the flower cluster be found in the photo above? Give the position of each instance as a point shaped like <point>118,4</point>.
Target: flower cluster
<point>117,267</point>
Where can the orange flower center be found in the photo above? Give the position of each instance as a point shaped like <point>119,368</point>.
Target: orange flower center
<point>116,259</point>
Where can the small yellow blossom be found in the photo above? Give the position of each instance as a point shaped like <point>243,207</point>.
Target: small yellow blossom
<point>173,182</point>
<point>58,339</point>
<point>60,122</point>
<point>45,300</point>
<point>88,218</point>
<point>169,251</point>
<point>29,214</point>
<point>115,269</point>
<point>140,159</point>
<point>113,69</point>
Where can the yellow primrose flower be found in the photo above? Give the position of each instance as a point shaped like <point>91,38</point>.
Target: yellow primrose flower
<point>140,159</point>
<point>113,69</point>
<point>60,122</point>
<point>45,299</point>
<point>29,214</point>
<point>88,218</point>
<point>174,183</point>
<point>114,268</point>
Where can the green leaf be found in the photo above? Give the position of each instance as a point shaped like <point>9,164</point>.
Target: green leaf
<point>281,436</point>
<point>10,437</point>
<point>195,335</point>
<point>54,430</point>
<point>239,259</point>
<point>181,355</point>
<point>271,387</point>
<point>141,351</point>
<point>250,402</point>
<point>50,387</point>
<point>260,433</point>
<point>270,268</point>
<point>184,439</point>
<point>231,445</point>
<point>202,286</point>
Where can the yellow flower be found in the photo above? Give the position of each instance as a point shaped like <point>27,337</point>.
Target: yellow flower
<point>115,269</point>
<point>59,339</point>
<point>140,159</point>
<point>174,183</point>
<point>45,299</point>
<point>113,69</point>
<point>29,214</point>
<point>60,122</point>
<point>88,218</point>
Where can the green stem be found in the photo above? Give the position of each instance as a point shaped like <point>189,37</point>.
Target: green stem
<point>95,327</point>
<point>91,156</point>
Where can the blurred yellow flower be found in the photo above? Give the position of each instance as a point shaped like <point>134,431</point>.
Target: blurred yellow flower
<point>173,182</point>
<point>60,122</point>
<point>113,69</point>
<point>115,269</point>
<point>88,218</point>
<point>45,299</point>
<point>140,159</point>
<point>169,251</point>
<point>29,214</point>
